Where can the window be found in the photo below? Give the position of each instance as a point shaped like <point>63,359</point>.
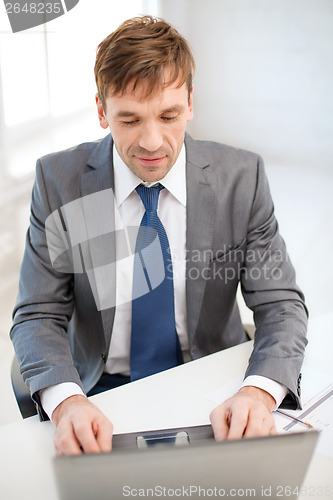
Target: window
<point>47,85</point>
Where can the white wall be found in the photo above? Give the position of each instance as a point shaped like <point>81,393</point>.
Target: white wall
<point>264,82</point>
<point>264,76</point>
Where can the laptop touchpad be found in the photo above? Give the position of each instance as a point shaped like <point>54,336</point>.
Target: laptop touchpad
<point>180,438</point>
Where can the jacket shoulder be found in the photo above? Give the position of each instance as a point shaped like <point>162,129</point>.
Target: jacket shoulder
<point>75,154</point>
<point>217,151</point>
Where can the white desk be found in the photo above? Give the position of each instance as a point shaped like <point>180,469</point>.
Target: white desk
<point>173,398</point>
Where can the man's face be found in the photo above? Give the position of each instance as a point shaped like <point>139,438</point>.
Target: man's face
<point>148,132</point>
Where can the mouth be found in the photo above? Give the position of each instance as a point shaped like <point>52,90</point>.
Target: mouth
<point>151,161</point>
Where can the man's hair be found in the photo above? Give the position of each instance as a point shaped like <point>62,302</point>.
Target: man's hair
<point>138,52</point>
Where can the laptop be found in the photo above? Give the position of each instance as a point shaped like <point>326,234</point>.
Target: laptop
<point>188,462</point>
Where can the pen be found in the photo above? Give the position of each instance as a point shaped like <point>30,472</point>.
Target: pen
<point>294,418</point>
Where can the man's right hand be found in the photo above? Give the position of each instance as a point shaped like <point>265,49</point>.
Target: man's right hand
<point>81,426</point>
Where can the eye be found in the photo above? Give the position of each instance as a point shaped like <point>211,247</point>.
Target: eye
<point>169,119</point>
<point>129,123</point>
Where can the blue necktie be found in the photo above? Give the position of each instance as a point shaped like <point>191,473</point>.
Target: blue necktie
<point>154,340</point>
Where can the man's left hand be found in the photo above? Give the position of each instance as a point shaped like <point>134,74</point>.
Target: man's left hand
<point>246,414</point>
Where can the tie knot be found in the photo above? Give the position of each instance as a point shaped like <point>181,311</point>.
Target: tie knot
<point>149,196</point>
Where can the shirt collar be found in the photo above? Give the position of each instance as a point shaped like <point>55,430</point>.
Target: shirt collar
<point>125,181</point>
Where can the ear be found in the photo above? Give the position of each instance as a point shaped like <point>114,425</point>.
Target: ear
<point>101,115</point>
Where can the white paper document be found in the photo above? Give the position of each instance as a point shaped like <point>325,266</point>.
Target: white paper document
<point>318,412</point>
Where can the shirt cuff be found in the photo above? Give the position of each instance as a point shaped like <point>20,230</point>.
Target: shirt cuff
<point>52,396</point>
<point>275,389</point>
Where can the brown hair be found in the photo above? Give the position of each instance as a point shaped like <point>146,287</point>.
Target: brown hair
<point>139,51</point>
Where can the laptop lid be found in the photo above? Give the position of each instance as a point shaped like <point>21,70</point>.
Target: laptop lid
<point>195,466</point>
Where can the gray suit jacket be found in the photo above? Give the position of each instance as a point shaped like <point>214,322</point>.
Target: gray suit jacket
<point>60,333</point>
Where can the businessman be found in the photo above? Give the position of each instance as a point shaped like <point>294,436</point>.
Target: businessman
<point>100,305</point>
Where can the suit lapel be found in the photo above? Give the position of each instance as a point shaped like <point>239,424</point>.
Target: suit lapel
<point>97,188</point>
<point>201,210</point>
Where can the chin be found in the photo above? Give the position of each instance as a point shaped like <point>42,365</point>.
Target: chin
<point>152,176</point>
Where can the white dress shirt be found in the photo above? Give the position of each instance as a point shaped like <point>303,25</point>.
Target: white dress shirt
<point>129,210</point>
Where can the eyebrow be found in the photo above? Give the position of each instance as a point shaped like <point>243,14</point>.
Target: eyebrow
<point>178,108</point>
<point>124,114</point>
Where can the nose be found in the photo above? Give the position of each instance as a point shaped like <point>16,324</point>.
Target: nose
<point>151,138</point>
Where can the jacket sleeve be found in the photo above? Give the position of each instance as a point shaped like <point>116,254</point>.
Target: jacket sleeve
<point>43,308</point>
<point>269,289</point>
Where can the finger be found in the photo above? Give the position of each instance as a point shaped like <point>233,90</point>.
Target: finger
<point>260,423</point>
<point>85,435</point>
<point>273,430</point>
<point>219,419</point>
<point>238,423</point>
<point>103,431</point>
<point>65,442</point>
